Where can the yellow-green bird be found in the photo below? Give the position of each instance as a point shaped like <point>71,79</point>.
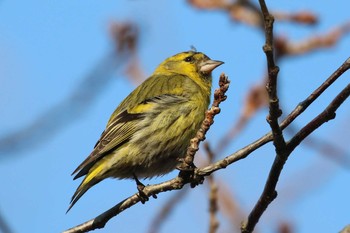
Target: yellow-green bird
<point>151,129</point>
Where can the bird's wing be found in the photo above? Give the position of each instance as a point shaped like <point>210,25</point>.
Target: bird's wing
<point>122,126</point>
<point>114,136</point>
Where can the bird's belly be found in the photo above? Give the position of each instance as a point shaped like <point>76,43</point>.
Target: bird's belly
<point>155,150</point>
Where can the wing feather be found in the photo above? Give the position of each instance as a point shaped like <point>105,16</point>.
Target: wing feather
<point>115,136</point>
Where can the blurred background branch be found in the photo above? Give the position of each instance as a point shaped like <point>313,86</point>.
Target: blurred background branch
<point>4,225</point>
<point>65,113</point>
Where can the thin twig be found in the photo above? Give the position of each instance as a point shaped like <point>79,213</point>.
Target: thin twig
<point>276,169</point>
<point>219,96</point>
<point>302,106</point>
<point>213,195</point>
<point>325,148</point>
<point>274,109</point>
<point>323,117</point>
<point>238,155</point>
<point>101,220</point>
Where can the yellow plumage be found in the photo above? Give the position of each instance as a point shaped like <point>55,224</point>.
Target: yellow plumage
<point>151,129</point>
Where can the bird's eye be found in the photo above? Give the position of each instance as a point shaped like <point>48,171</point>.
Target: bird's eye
<point>189,59</point>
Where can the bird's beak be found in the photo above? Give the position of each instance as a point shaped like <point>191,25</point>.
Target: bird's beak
<point>209,65</point>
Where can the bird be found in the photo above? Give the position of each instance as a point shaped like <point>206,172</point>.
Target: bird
<point>150,130</point>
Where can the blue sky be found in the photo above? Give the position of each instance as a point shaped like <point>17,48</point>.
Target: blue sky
<point>48,48</point>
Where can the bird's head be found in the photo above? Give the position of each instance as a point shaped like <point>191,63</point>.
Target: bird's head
<point>189,63</point>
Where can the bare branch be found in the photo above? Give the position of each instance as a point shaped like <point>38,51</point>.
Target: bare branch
<point>274,110</point>
<point>213,195</point>
<point>213,206</point>
<point>325,148</point>
<point>302,106</point>
<point>101,220</point>
<point>269,193</point>
<point>326,115</point>
<point>238,155</point>
<point>219,96</point>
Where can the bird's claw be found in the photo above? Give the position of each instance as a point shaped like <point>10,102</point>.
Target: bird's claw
<point>185,167</point>
<point>142,195</point>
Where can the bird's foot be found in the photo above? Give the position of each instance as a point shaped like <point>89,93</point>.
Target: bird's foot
<point>184,166</point>
<point>140,187</point>
<point>188,172</point>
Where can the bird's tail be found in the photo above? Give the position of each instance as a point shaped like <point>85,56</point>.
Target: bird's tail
<point>93,177</point>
